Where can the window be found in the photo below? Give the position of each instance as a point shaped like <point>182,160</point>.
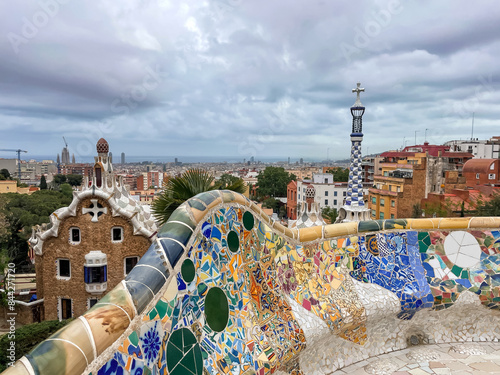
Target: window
<point>374,200</point>
<point>382,201</point>
<point>381,216</point>
<point>399,189</point>
<point>95,274</point>
<point>116,234</point>
<point>326,202</point>
<point>326,194</point>
<point>392,216</point>
<point>91,302</point>
<point>344,193</point>
<point>374,213</point>
<point>393,203</point>
<point>130,263</point>
<point>74,235</point>
<point>334,202</point>
<point>63,268</point>
<point>491,176</point>
<point>492,166</point>
<point>66,309</point>
<point>477,176</point>
<point>334,193</point>
<point>386,173</point>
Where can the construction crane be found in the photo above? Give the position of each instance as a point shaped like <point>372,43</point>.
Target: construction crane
<point>18,159</point>
<point>66,143</point>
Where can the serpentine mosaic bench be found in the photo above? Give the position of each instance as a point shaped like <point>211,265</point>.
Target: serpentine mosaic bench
<point>225,290</point>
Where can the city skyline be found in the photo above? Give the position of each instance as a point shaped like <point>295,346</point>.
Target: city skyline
<point>239,79</point>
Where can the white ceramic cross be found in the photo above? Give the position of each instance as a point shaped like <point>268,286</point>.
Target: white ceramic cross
<point>95,210</point>
<point>357,90</point>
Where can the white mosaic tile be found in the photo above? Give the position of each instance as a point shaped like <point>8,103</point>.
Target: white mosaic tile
<point>462,249</point>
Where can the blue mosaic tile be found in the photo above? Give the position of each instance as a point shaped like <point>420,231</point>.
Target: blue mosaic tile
<point>173,250</point>
<point>141,295</point>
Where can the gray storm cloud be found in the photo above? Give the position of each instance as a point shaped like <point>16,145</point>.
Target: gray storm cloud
<point>155,77</point>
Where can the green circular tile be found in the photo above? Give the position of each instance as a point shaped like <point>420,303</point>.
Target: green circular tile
<point>216,309</point>
<point>187,270</point>
<point>233,241</point>
<point>183,352</point>
<point>248,220</point>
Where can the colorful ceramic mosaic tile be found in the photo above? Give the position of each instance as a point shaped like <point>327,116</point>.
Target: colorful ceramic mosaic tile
<point>223,289</point>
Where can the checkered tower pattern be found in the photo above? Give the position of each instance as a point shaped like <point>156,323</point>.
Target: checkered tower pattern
<point>355,185</point>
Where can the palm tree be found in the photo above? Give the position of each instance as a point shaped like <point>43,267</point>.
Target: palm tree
<point>330,214</point>
<point>177,190</point>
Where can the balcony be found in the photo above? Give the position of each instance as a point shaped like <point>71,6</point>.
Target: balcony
<point>95,272</point>
<point>401,174</point>
<point>96,288</point>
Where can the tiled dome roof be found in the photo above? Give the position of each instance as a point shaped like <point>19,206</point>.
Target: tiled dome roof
<point>102,146</point>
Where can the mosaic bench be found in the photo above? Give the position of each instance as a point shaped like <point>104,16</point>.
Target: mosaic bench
<point>225,290</point>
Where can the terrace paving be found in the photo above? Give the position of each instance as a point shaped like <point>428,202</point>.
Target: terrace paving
<point>478,358</point>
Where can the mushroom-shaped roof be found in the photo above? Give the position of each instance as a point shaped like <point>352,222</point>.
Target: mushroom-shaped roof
<point>102,146</point>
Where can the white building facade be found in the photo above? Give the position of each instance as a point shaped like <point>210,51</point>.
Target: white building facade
<point>480,148</point>
<point>328,193</point>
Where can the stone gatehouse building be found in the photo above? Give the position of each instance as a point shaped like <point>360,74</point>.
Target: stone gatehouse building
<point>90,246</point>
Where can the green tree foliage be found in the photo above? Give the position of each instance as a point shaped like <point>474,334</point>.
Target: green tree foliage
<point>226,180</point>
<point>416,211</point>
<point>43,183</point>
<point>435,210</point>
<point>4,230</point>
<point>74,179</point>
<point>27,337</point>
<point>339,174</point>
<point>59,179</point>
<point>5,174</point>
<point>177,190</point>
<point>330,214</point>
<point>490,208</point>
<point>20,212</point>
<point>71,179</point>
<point>282,212</point>
<point>66,189</point>
<point>271,203</point>
<point>273,181</point>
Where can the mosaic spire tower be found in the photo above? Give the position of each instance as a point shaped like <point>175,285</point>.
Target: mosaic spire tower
<point>354,208</point>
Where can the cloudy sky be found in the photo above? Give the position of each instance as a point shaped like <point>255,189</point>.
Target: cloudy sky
<point>245,78</point>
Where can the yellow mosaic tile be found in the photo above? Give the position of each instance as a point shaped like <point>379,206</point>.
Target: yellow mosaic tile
<point>485,222</point>
<point>339,230</point>
<point>423,223</point>
<point>310,234</point>
<point>454,223</point>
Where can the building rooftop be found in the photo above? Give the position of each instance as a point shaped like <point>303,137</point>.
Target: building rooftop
<point>478,165</point>
<point>432,150</point>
